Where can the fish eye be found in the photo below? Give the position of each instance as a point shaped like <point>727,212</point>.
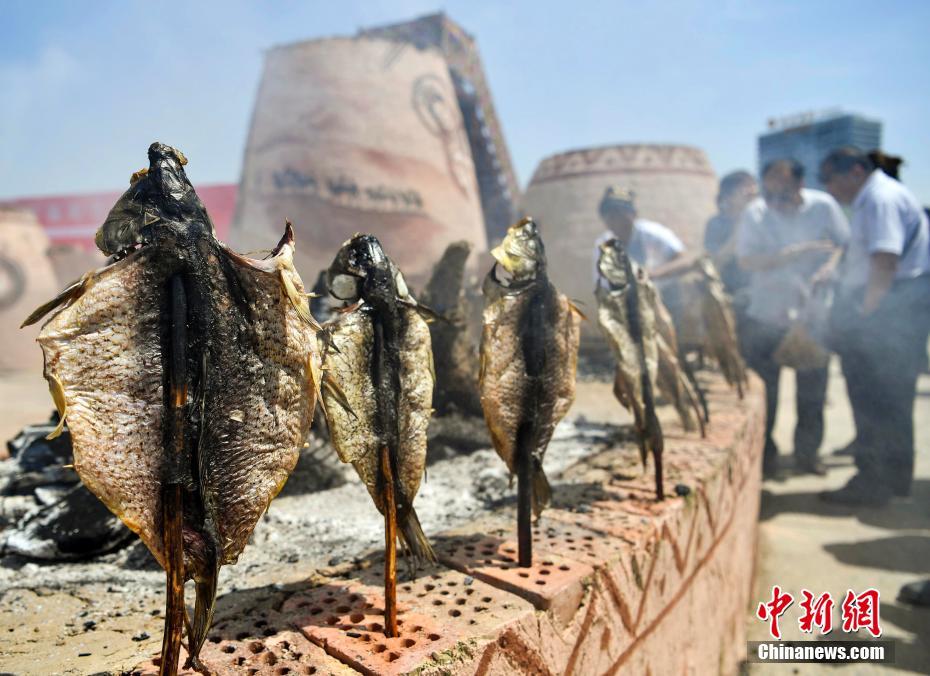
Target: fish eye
<point>344,287</point>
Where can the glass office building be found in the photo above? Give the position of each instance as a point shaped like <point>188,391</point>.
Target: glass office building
<point>809,137</point>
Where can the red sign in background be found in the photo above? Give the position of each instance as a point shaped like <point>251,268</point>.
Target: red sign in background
<point>73,219</point>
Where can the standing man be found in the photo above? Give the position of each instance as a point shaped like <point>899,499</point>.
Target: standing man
<point>786,241</point>
<point>650,244</point>
<point>737,190</point>
<point>880,322</point>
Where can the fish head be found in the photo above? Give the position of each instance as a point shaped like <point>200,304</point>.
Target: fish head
<point>360,259</point>
<point>160,200</point>
<point>612,263</point>
<point>522,253</point>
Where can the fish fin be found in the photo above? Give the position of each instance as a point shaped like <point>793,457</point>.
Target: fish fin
<point>331,386</point>
<point>542,492</point>
<point>204,606</point>
<point>298,302</point>
<point>268,266</point>
<point>411,532</point>
<point>57,391</point>
<point>348,309</point>
<point>287,239</point>
<point>573,306</point>
<point>316,377</point>
<point>70,294</point>
<point>426,312</point>
<point>694,400</point>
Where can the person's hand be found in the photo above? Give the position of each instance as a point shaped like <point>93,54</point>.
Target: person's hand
<point>823,276</point>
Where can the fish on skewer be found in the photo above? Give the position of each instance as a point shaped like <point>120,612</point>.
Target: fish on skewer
<point>454,353</point>
<point>703,314</point>
<point>673,378</point>
<point>720,326</point>
<point>377,354</point>
<point>641,334</point>
<point>529,354</point>
<point>187,375</point>
<point>628,322</point>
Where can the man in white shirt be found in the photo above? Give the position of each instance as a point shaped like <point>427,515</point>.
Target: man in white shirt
<point>650,244</point>
<point>881,322</point>
<point>786,241</point>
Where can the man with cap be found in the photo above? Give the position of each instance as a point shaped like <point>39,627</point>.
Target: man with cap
<point>650,244</point>
<point>880,322</point>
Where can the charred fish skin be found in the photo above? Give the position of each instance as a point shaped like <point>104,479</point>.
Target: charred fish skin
<point>379,357</point>
<point>216,402</point>
<point>529,354</point>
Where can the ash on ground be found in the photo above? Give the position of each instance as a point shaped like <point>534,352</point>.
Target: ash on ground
<point>324,517</point>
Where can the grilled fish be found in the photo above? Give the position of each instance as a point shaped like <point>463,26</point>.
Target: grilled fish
<point>186,375</point>
<point>377,355</point>
<point>642,336</point>
<point>703,314</point>
<point>454,353</point>
<point>628,322</point>
<point>720,326</point>
<point>529,353</point>
<point>672,378</point>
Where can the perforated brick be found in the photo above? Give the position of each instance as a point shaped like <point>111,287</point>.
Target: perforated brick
<point>348,623</point>
<point>257,646</point>
<point>551,583</point>
<point>467,606</point>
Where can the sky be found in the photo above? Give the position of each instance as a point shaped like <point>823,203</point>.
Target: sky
<point>85,87</point>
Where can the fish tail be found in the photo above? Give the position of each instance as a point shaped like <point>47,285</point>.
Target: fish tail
<point>411,532</point>
<point>542,492</point>
<point>204,605</point>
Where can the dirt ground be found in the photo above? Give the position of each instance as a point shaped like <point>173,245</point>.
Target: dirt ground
<point>807,543</point>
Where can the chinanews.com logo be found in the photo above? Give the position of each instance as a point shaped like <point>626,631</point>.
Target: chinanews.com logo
<point>858,612</point>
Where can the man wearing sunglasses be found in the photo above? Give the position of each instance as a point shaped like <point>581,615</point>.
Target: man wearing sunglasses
<point>880,322</point>
<point>788,240</point>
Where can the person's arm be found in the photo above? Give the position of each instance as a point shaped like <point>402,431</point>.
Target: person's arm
<point>670,250</point>
<point>679,264</point>
<point>755,262</point>
<point>882,269</point>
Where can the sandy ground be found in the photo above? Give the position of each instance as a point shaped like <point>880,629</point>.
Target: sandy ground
<point>806,543</point>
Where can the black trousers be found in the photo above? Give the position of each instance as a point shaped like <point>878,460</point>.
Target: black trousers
<point>882,355</point>
<point>759,342</point>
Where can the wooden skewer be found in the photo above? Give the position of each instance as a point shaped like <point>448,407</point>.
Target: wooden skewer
<point>174,570</point>
<point>172,496</point>
<point>390,547</point>
<point>524,497</point>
